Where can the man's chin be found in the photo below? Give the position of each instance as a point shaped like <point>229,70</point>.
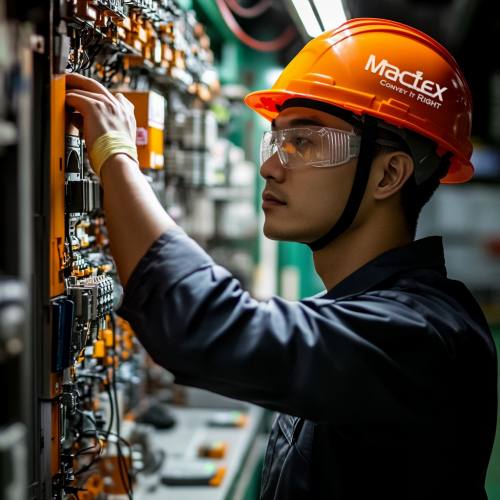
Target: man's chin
<point>292,235</point>
<point>278,234</point>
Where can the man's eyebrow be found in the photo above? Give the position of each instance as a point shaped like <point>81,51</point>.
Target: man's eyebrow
<point>301,122</point>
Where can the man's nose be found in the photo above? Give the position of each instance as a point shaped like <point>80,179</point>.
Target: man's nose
<point>273,169</point>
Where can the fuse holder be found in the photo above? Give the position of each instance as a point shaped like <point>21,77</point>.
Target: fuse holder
<point>219,476</point>
<point>215,449</point>
<point>107,336</point>
<point>99,349</point>
<point>228,419</point>
<point>242,421</point>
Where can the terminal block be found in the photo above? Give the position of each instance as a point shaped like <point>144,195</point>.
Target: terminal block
<point>93,299</point>
<point>83,194</point>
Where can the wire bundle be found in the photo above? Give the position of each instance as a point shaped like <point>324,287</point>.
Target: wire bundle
<point>279,43</point>
<point>98,434</point>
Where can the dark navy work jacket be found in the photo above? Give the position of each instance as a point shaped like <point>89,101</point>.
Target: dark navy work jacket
<point>386,385</point>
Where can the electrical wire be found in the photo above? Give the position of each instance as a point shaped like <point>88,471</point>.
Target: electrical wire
<point>111,406</point>
<point>250,12</point>
<point>279,43</point>
<point>111,390</point>
<point>122,464</point>
<point>109,70</point>
<point>96,437</point>
<point>121,459</point>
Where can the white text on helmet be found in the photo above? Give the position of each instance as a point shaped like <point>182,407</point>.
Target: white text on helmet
<point>406,78</point>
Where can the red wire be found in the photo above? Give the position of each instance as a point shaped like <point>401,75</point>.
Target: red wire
<point>281,42</point>
<point>250,12</point>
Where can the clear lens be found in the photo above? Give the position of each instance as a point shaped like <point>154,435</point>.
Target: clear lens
<point>315,147</point>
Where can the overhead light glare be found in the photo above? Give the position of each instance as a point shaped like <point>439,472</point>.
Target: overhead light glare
<point>308,18</point>
<point>331,13</point>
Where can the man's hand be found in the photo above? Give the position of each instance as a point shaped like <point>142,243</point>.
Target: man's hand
<point>100,110</point>
<point>134,216</point>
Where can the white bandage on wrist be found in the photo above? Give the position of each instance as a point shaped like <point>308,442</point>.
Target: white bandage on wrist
<point>109,144</point>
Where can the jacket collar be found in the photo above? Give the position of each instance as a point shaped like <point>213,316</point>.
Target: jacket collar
<point>424,253</point>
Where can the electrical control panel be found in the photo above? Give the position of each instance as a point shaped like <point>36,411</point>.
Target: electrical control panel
<point>144,49</point>
<point>78,431</point>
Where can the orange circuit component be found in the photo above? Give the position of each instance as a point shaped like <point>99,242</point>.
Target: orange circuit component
<point>57,184</point>
<point>150,116</point>
<point>99,349</point>
<point>216,449</point>
<point>217,479</point>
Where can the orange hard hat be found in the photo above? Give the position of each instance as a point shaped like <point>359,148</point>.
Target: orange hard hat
<point>387,70</point>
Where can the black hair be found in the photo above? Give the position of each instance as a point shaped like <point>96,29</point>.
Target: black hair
<point>413,196</point>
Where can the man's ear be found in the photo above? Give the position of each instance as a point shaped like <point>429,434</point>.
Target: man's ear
<point>396,168</point>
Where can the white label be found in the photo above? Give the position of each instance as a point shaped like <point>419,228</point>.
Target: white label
<point>156,111</point>
<point>160,160</point>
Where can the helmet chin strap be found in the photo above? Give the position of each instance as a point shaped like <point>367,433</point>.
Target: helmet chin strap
<point>368,138</point>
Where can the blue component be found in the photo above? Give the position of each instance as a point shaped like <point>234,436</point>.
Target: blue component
<point>62,330</point>
<point>57,346</point>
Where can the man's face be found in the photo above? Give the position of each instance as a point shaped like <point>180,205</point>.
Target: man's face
<point>303,204</point>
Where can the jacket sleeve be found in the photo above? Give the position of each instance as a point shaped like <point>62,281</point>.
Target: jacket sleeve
<point>364,360</point>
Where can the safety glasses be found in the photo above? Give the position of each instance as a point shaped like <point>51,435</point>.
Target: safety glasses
<point>310,146</point>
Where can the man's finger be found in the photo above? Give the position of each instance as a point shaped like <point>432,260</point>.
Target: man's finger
<point>76,81</point>
<point>79,102</point>
<point>91,95</point>
<point>123,100</point>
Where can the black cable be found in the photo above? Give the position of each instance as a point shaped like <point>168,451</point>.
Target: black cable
<point>91,52</point>
<point>110,387</point>
<point>122,464</point>
<point>113,367</point>
<point>106,383</point>
<point>83,452</point>
<point>96,436</point>
<point>121,458</point>
<point>111,405</point>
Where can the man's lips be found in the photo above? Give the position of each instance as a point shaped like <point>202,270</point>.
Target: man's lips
<point>270,200</point>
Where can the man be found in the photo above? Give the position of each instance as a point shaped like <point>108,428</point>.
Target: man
<point>385,384</point>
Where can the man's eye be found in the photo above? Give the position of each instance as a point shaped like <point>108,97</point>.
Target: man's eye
<point>300,141</point>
